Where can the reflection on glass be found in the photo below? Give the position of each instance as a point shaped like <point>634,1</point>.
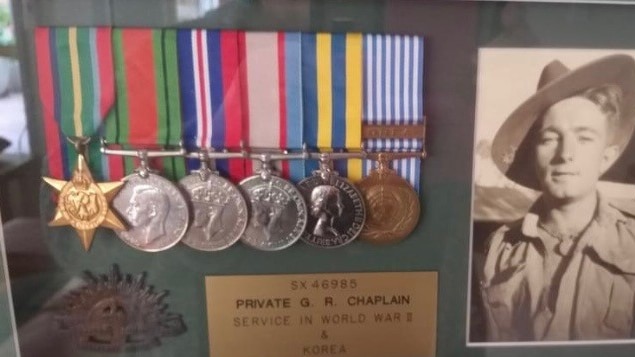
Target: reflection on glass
<point>7,36</point>
<point>192,9</point>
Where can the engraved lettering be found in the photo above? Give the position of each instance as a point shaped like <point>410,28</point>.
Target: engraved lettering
<point>324,350</point>
<point>374,300</point>
<point>416,131</point>
<point>388,317</point>
<point>270,303</point>
<point>262,321</point>
<point>343,319</point>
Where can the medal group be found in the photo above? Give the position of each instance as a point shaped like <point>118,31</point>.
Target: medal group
<point>262,109</point>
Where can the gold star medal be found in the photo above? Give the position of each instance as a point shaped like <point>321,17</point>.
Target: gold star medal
<point>83,203</point>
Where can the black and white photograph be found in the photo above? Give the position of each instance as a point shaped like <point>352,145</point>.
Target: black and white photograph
<point>552,256</point>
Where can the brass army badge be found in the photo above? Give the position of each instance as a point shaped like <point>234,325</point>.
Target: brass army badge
<point>117,313</point>
<point>83,203</point>
<point>392,205</point>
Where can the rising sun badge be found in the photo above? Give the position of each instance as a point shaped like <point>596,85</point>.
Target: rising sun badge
<point>83,203</point>
<point>117,313</point>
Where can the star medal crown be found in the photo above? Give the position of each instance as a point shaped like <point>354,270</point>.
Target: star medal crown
<point>83,203</point>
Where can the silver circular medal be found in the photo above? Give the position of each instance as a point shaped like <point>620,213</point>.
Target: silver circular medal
<point>336,210</point>
<point>219,212</point>
<point>277,213</point>
<point>155,211</point>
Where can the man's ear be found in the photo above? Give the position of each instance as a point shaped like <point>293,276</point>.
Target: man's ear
<point>153,211</point>
<point>609,156</point>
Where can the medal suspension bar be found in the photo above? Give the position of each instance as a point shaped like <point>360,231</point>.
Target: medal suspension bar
<point>261,154</point>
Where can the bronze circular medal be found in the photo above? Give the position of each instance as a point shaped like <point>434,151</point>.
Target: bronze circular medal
<point>392,206</point>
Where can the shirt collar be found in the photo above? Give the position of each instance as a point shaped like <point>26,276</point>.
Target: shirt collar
<point>609,237</point>
<point>530,223</point>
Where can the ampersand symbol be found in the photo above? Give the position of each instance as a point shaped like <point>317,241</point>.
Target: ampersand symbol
<point>324,335</point>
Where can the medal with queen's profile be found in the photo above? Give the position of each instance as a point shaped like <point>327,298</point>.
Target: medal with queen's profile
<point>219,211</point>
<point>336,209</point>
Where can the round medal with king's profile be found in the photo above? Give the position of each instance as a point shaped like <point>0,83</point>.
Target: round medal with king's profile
<point>155,211</point>
<point>219,212</point>
<point>278,213</point>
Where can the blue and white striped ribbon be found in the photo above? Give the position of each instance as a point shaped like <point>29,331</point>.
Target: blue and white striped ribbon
<point>393,94</point>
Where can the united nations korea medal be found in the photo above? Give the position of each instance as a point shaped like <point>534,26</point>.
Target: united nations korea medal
<point>155,210</point>
<point>393,205</point>
<point>278,213</point>
<point>219,211</point>
<point>336,209</point>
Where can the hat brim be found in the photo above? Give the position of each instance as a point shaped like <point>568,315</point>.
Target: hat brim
<point>512,146</point>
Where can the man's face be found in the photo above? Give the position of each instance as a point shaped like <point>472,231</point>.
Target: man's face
<point>139,212</point>
<point>200,214</point>
<point>262,214</point>
<point>205,214</point>
<point>571,149</point>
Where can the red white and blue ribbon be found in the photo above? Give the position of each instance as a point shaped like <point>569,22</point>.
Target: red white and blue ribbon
<point>209,74</point>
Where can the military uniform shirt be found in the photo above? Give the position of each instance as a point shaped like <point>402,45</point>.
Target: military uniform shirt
<point>593,294</point>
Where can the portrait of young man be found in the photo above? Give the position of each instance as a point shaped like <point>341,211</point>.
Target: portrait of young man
<point>557,262</point>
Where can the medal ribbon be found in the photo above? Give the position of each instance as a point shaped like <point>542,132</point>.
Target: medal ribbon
<point>76,87</point>
<point>332,74</point>
<point>393,94</point>
<point>272,88</point>
<point>148,109</point>
<point>210,90</point>
<point>328,82</point>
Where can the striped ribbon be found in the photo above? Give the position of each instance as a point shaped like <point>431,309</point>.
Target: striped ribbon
<point>333,83</point>
<point>272,87</point>
<point>76,87</point>
<point>279,89</point>
<point>147,111</point>
<point>211,96</point>
<point>393,94</point>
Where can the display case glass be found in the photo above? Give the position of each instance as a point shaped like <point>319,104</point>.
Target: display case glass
<point>477,87</point>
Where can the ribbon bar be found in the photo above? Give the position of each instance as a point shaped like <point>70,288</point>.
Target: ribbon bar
<point>413,131</point>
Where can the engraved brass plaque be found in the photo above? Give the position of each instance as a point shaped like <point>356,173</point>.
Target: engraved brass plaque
<point>346,314</point>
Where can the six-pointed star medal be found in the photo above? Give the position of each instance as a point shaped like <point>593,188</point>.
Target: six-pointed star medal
<point>83,203</point>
